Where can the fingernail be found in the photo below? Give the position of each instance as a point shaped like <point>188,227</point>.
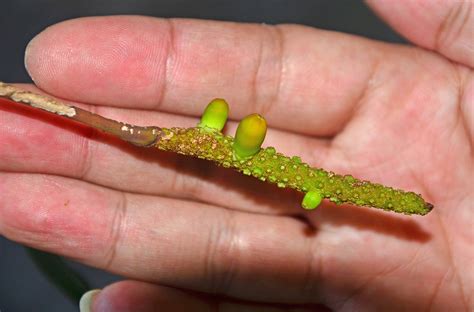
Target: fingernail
<point>85,304</point>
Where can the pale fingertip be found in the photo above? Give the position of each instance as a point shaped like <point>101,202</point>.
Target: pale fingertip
<point>27,57</point>
<point>85,304</point>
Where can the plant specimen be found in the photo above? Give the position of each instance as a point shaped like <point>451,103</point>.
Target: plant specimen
<point>242,153</point>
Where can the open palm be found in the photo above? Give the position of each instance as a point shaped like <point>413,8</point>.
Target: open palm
<point>195,237</point>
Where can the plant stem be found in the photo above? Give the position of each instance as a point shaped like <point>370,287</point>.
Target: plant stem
<point>141,136</point>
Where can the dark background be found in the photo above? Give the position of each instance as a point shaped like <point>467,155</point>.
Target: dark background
<point>22,286</point>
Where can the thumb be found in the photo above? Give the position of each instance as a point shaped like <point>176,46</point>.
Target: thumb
<point>139,296</point>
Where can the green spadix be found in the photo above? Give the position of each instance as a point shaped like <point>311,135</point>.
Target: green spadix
<point>215,115</point>
<point>249,136</point>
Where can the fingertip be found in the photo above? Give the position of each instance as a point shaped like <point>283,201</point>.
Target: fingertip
<point>42,50</point>
<point>38,53</point>
<point>125,296</point>
<point>106,56</point>
<point>27,58</point>
<point>33,58</point>
<point>87,300</point>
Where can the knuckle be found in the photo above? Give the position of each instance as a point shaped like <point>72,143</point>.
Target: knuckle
<point>222,256</point>
<point>116,228</point>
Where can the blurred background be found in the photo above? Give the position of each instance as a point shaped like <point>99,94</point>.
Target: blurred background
<point>22,286</point>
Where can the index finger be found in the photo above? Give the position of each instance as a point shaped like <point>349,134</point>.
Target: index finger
<point>301,79</point>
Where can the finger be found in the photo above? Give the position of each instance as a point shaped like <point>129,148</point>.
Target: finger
<point>301,79</point>
<point>248,256</point>
<point>54,146</point>
<point>174,242</point>
<point>444,26</point>
<point>138,296</point>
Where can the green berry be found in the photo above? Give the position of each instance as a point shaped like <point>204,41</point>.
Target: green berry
<point>311,200</point>
<point>249,136</point>
<point>215,115</point>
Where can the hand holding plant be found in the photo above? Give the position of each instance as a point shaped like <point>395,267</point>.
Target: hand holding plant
<point>190,234</point>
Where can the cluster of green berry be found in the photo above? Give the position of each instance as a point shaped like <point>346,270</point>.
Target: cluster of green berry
<point>245,154</point>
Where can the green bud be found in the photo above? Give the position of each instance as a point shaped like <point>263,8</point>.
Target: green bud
<point>215,115</point>
<point>311,200</point>
<point>249,136</point>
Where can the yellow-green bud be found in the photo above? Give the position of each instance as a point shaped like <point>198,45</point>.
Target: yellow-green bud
<point>311,200</point>
<point>215,115</point>
<point>249,136</point>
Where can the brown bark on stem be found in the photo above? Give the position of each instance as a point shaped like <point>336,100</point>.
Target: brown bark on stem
<point>141,136</point>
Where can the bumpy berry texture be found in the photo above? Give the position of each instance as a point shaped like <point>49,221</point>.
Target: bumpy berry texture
<point>269,165</point>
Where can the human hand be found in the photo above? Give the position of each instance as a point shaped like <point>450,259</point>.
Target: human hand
<point>197,236</point>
